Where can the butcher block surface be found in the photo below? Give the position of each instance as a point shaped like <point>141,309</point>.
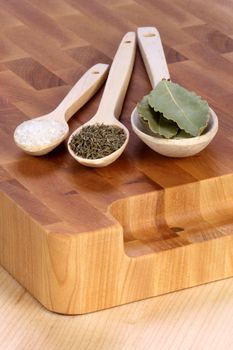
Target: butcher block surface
<point>83,239</point>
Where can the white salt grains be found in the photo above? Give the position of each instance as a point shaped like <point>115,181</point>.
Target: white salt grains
<point>33,134</point>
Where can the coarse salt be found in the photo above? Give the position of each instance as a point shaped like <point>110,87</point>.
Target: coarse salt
<point>39,133</point>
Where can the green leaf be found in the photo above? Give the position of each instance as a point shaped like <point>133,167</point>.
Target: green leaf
<point>156,122</point>
<point>182,135</point>
<point>147,114</point>
<point>184,107</point>
<point>167,128</point>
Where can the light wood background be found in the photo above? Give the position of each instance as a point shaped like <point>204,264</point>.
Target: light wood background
<point>198,318</point>
<point>59,40</point>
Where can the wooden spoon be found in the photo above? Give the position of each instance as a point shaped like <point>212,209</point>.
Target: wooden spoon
<point>155,62</point>
<point>41,135</point>
<point>112,100</point>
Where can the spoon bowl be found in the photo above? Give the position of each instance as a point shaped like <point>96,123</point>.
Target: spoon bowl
<point>112,100</point>
<point>41,135</point>
<point>156,66</point>
<point>104,161</point>
<point>59,129</point>
<point>174,147</point>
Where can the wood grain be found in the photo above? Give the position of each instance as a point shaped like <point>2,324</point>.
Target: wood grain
<point>195,318</point>
<point>153,224</point>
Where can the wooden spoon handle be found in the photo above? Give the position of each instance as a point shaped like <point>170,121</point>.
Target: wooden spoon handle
<point>82,91</point>
<point>118,79</point>
<point>152,54</point>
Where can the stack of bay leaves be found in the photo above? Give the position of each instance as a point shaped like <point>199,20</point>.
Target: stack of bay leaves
<point>172,112</point>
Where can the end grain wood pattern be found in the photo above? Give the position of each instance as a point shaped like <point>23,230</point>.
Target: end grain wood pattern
<point>81,239</point>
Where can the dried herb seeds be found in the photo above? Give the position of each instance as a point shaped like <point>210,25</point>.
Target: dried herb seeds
<point>97,141</point>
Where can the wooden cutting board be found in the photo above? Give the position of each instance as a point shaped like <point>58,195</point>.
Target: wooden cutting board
<point>82,239</point>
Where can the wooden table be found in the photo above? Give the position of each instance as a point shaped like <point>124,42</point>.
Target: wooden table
<point>73,35</point>
<point>195,318</point>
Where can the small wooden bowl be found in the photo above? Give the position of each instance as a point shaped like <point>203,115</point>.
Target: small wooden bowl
<point>175,147</point>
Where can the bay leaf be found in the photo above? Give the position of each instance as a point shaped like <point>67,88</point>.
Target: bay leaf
<point>182,135</point>
<point>167,128</point>
<point>184,107</point>
<point>156,122</point>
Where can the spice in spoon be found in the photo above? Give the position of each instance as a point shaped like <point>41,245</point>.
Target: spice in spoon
<point>97,141</point>
<point>39,133</point>
<point>172,111</point>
